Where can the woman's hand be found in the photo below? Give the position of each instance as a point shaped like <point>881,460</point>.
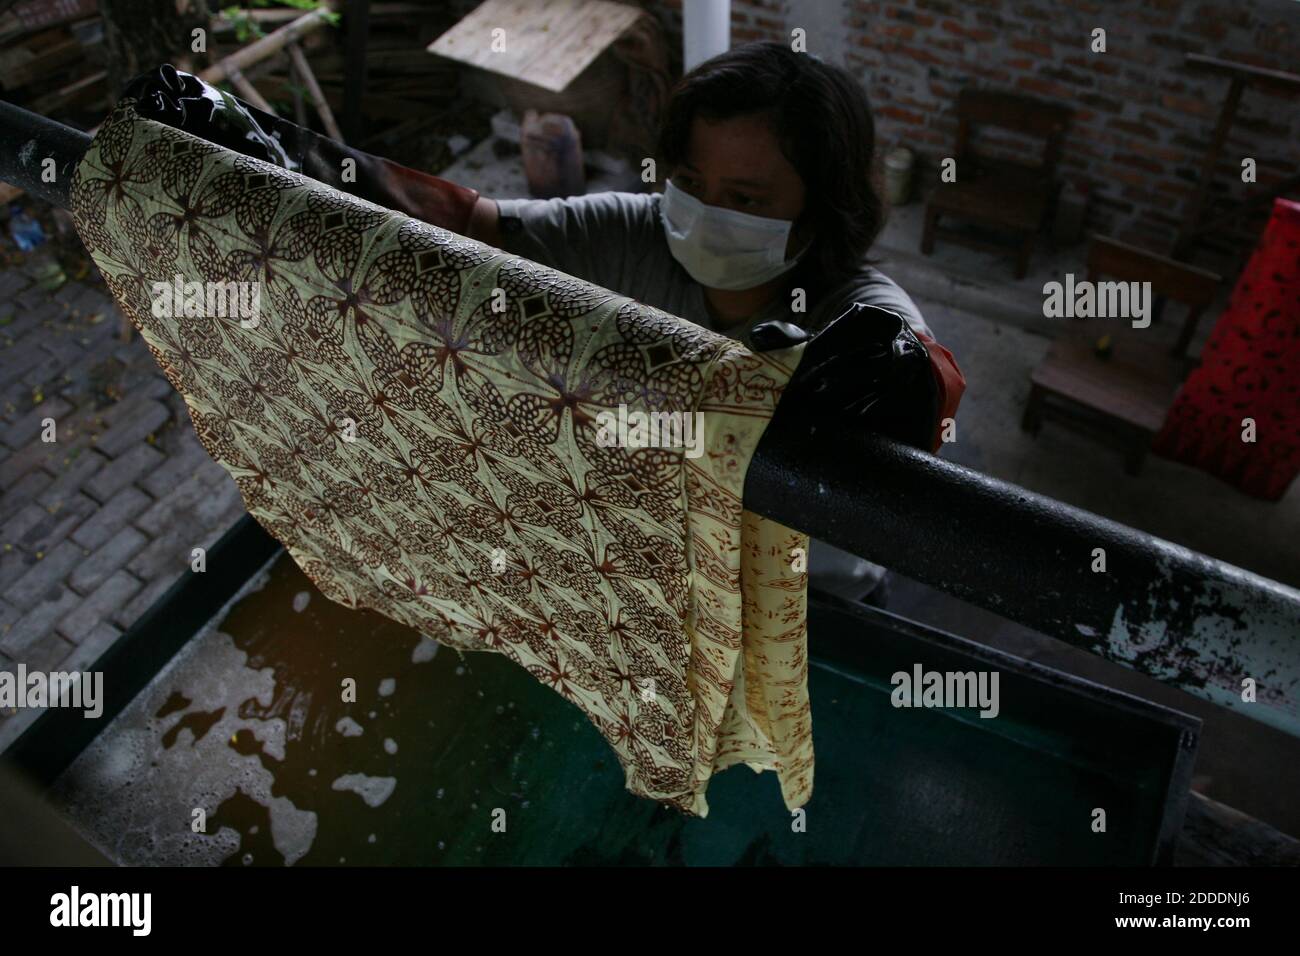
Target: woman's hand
<point>868,366</point>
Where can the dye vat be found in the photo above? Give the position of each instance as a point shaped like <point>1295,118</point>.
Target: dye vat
<point>248,724</point>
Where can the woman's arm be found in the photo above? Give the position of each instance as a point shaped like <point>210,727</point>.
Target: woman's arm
<point>596,236</point>
<point>485,222</point>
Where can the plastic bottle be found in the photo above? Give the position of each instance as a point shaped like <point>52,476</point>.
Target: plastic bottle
<point>42,265</point>
<point>552,151</point>
<point>25,231</point>
<point>898,175</point>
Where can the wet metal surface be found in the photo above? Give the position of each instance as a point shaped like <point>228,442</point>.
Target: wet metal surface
<point>29,139</point>
<point>1194,622</point>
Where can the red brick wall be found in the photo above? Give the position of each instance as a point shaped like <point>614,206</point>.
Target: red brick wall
<point>1141,120</point>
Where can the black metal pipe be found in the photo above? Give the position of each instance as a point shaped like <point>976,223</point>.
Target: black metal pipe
<point>29,140</point>
<point>1184,618</point>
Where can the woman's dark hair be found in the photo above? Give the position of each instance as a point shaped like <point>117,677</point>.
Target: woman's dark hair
<point>822,122</point>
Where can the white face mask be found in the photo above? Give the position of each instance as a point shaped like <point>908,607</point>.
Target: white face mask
<point>721,248</point>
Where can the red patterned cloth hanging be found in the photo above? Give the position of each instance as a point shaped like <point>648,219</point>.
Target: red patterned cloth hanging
<point>1238,414</point>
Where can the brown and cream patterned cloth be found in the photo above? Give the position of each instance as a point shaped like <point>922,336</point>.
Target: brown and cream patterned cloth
<point>417,417</point>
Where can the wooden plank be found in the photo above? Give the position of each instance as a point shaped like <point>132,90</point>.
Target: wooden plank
<point>521,37</point>
<point>1012,111</point>
<point>28,15</point>
<point>1189,284</point>
<point>1236,69</point>
<point>303,69</point>
<point>547,45</point>
<point>1135,385</point>
<point>249,92</point>
<point>591,31</point>
<point>295,91</point>
<point>24,64</point>
<point>283,15</point>
<point>1209,160</point>
<point>269,45</point>
<point>375,104</point>
<point>73,92</point>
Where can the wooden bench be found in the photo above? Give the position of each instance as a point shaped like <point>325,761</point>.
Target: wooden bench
<point>1121,397</point>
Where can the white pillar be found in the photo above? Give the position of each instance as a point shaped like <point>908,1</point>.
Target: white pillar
<point>824,23</point>
<point>706,30</point>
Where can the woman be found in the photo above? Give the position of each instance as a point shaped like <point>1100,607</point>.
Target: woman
<point>777,142</point>
<point>768,211</point>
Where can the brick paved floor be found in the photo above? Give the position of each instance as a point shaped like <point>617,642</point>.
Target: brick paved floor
<point>96,525</point>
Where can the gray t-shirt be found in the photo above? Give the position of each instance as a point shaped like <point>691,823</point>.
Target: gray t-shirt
<point>616,240</point>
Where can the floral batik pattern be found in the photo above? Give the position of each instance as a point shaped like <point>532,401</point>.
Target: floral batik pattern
<point>415,416</point>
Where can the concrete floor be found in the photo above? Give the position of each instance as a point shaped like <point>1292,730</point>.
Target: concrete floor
<point>96,526</point>
<point>994,326</point>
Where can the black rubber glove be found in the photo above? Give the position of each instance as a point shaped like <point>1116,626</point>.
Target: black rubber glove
<point>866,366</point>
<point>184,101</point>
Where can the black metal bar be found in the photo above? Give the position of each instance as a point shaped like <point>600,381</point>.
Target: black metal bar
<point>1179,616</point>
<point>29,140</point>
